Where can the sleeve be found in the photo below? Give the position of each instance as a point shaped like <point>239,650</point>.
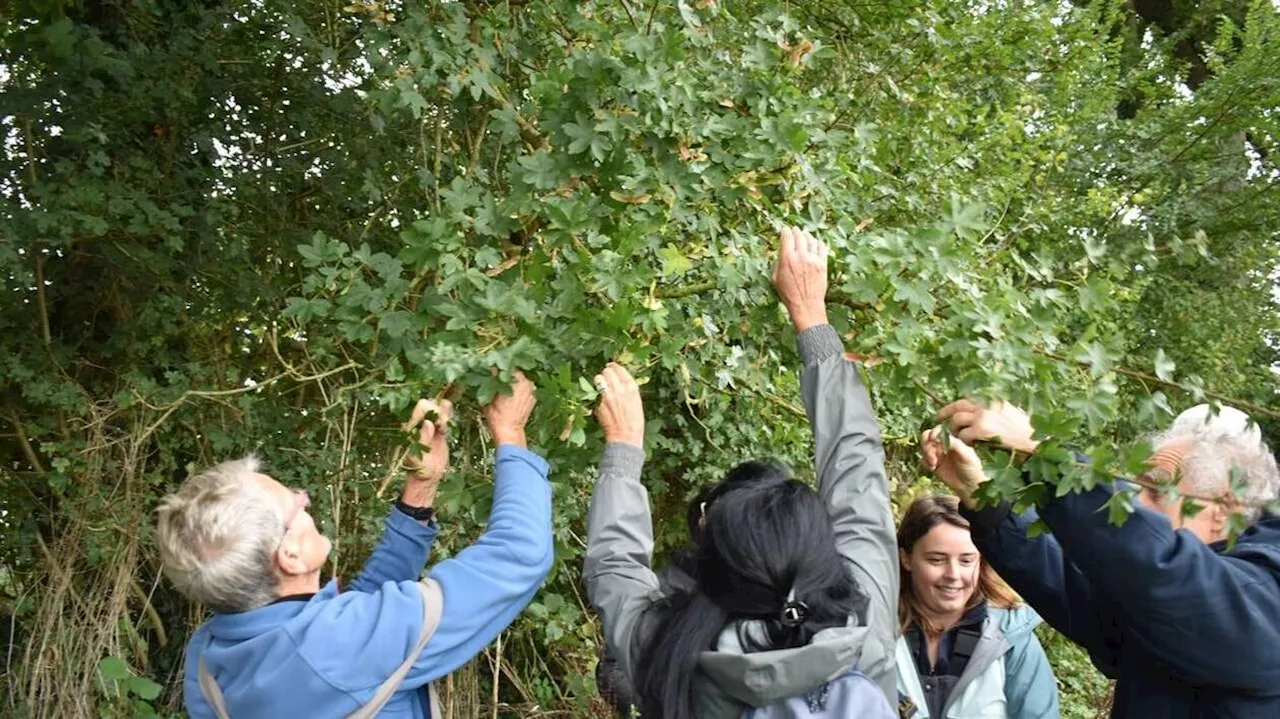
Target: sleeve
<point>1038,570</point>
<point>1176,592</point>
<point>620,583</point>
<point>849,459</point>
<point>401,553</point>
<point>1029,685</point>
<point>360,638</point>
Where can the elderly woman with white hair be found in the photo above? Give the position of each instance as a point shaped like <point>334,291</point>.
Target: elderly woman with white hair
<point>1186,621</point>
<point>281,645</point>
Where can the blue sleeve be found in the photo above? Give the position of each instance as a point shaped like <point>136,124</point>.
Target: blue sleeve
<point>489,583</point>
<point>1038,570</point>
<point>400,556</point>
<point>359,638</point>
<point>1029,685</point>
<point>1176,592</point>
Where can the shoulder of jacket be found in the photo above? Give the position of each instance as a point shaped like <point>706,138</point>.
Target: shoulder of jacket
<point>1015,622</point>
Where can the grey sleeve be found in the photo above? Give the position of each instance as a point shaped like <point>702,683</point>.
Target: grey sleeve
<point>851,480</point>
<point>620,583</point>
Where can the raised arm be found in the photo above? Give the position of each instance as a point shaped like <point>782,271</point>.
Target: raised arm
<point>620,582</point>
<point>1183,593</point>
<point>1035,567</point>
<point>481,590</point>
<point>410,530</point>
<point>847,447</point>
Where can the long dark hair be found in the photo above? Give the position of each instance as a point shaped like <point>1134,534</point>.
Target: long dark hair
<point>763,535</point>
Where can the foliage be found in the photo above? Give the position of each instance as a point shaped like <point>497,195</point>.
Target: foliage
<point>269,226</point>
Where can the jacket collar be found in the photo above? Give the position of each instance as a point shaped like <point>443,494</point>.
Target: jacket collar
<point>240,626</point>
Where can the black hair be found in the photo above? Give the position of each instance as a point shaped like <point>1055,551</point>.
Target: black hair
<point>764,535</point>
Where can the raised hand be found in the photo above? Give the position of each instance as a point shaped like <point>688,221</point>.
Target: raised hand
<point>620,412</point>
<point>956,464</point>
<point>1001,423</point>
<point>507,415</point>
<point>801,277</point>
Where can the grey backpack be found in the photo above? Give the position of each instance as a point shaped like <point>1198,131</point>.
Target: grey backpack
<point>849,696</point>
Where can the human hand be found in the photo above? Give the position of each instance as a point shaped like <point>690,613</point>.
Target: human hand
<point>620,412</point>
<point>1001,423</point>
<point>507,415</point>
<point>800,277</point>
<point>956,464</point>
<point>430,462</point>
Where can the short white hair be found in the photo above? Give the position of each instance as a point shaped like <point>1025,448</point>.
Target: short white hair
<point>218,535</point>
<point>1221,440</point>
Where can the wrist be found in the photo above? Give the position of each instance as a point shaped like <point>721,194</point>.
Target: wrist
<point>510,436</point>
<point>420,491</point>
<point>808,315</point>
<point>631,439</point>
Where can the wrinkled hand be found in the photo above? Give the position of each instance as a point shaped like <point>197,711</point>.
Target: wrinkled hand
<point>801,277</point>
<point>1001,423</point>
<point>430,464</point>
<point>957,465</point>
<point>507,415</point>
<point>620,412</point>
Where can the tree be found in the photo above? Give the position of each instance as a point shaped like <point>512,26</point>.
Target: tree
<point>271,226</point>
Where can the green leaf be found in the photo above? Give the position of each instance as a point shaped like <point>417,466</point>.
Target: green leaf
<point>143,688</point>
<point>114,669</point>
<point>673,261</point>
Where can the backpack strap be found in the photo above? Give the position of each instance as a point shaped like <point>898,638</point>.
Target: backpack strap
<point>212,693</point>
<point>966,642</point>
<point>432,606</point>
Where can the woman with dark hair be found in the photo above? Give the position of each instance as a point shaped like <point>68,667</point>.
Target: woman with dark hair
<point>793,602</point>
<point>967,648</point>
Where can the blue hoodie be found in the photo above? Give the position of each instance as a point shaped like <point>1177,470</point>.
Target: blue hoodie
<point>1188,629</point>
<point>325,656</point>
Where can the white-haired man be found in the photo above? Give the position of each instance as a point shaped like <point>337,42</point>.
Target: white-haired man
<point>1187,625</point>
<point>281,645</point>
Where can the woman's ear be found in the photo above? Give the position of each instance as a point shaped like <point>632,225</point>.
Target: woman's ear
<point>904,560</point>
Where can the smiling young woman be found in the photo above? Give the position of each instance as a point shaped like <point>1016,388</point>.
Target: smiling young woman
<point>966,647</point>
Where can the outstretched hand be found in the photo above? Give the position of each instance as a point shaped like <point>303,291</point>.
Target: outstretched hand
<point>801,277</point>
<point>952,461</point>
<point>1001,423</point>
<point>620,412</point>
<point>507,415</point>
<point>431,418</point>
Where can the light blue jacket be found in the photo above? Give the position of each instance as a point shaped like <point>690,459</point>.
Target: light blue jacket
<point>1008,676</point>
<point>324,657</point>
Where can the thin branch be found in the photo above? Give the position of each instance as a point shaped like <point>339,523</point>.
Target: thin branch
<point>630,17</point>
<point>1135,374</point>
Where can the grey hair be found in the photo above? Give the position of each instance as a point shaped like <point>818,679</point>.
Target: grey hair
<point>1220,441</point>
<point>218,535</point>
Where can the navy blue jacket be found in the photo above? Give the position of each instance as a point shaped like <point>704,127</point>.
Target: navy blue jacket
<point>1188,629</point>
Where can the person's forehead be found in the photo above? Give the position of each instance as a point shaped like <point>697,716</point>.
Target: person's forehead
<point>947,538</point>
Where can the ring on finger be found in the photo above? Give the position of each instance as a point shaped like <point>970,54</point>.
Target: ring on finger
<point>601,385</point>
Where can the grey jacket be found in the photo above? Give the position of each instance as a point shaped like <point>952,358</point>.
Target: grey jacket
<point>852,481</point>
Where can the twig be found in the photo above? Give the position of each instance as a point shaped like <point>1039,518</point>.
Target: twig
<point>669,293</point>
<point>630,17</point>
<point>1242,404</point>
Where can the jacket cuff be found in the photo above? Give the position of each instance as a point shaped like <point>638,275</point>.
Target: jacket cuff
<point>517,452</point>
<point>985,519</point>
<point>818,343</point>
<point>408,526</point>
<point>622,460</point>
